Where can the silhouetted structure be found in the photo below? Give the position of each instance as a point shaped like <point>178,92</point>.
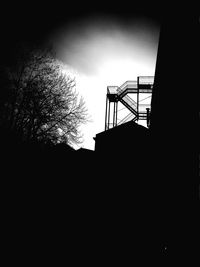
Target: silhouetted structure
<point>157,179</point>
<point>118,140</point>
<point>137,111</point>
<point>174,136</point>
<point>136,201</point>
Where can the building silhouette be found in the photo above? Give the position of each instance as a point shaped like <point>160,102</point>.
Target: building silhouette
<point>129,94</point>
<point>151,171</point>
<point>135,199</point>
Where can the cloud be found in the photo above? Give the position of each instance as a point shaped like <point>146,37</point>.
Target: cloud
<point>89,43</point>
<point>102,51</point>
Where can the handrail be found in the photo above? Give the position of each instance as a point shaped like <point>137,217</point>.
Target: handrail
<point>129,106</point>
<point>145,79</point>
<point>130,100</point>
<point>144,105</point>
<point>127,84</point>
<point>134,86</point>
<point>130,116</point>
<point>112,89</point>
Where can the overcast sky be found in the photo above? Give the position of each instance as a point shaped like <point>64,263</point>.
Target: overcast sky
<point>100,45</point>
<point>101,50</point>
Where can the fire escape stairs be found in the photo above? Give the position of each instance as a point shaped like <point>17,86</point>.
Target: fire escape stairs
<point>129,103</point>
<point>129,117</point>
<point>120,94</point>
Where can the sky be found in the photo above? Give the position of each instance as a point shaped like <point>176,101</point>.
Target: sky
<point>101,50</point>
<point>99,45</point>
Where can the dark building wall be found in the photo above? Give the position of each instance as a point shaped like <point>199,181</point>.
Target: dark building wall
<point>163,182</point>
<point>174,119</point>
<point>125,138</point>
<point>123,148</point>
<point>129,192</point>
<point>175,81</point>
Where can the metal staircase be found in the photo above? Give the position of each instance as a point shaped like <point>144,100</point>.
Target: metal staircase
<point>129,117</point>
<point>129,103</point>
<point>115,94</point>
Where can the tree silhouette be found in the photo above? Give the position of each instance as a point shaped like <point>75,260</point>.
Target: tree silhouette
<point>39,101</point>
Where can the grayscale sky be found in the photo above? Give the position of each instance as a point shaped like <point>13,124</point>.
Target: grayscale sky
<point>101,50</point>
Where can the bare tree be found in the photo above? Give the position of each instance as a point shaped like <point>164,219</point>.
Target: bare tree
<point>40,101</point>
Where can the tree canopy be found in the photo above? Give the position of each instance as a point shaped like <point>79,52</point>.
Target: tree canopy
<point>39,101</point>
